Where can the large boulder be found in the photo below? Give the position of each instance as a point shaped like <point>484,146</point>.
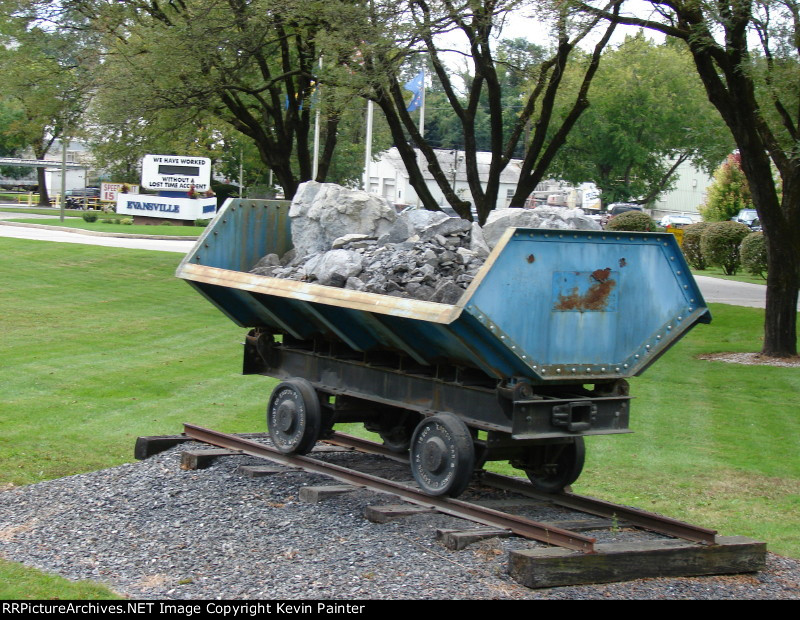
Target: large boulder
<point>323,212</point>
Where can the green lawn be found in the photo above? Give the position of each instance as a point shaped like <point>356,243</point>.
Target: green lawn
<point>130,229</point>
<point>102,345</point>
<point>740,276</point>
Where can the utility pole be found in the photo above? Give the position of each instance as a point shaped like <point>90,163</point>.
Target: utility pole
<point>63,200</point>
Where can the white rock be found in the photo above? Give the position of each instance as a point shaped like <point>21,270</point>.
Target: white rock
<point>335,267</point>
<point>323,212</point>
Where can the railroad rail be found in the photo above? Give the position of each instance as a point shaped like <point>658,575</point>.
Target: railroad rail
<point>568,557</point>
<point>523,527</point>
<point>634,516</point>
<point>453,507</point>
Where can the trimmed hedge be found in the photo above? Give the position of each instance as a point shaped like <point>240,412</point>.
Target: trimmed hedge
<point>692,235</point>
<point>753,252</point>
<point>720,245</point>
<point>633,221</point>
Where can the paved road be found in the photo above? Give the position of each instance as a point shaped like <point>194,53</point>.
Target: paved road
<point>715,290</point>
<point>61,236</point>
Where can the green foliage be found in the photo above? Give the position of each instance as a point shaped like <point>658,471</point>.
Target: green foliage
<point>728,193</point>
<point>648,113</point>
<point>720,244</point>
<point>632,220</point>
<point>202,223</point>
<point>47,75</point>
<point>89,216</point>
<point>692,250</point>
<point>753,253</point>
<point>223,191</point>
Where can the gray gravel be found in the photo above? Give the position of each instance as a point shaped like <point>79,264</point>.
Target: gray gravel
<point>150,530</point>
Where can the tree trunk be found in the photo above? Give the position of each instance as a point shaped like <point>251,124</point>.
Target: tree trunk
<point>44,198</point>
<point>780,217</point>
<point>783,276</point>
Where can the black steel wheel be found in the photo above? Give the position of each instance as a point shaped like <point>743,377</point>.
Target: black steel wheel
<point>442,455</point>
<point>294,416</point>
<point>554,466</point>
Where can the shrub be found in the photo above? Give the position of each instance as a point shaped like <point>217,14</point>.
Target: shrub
<point>753,252</point>
<point>720,245</point>
<point>127,221</point>
<point>633,221</point>
<point>106,220</point>
<point>728,193</point>
<point>202,223</point>
<point>89,216</point>
<point>691,244</point>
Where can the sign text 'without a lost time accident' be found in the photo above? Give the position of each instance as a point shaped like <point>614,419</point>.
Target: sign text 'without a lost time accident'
<point>176,173</point>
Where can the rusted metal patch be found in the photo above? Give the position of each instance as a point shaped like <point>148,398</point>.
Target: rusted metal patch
<point>582,291</point>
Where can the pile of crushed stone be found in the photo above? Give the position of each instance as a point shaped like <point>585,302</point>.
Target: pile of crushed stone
<point>354,240</point>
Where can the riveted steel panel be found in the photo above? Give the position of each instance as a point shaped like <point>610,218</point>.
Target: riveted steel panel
<point>549,306</point>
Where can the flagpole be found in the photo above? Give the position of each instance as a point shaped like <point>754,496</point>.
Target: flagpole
<point>422,109</point>
<point>316,130</point>
<point>421,125</point>
<point>368,156</point>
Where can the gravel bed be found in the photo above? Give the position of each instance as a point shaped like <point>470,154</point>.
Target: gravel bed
<point>150,530</point>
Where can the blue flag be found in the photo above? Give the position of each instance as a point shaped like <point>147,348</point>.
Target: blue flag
<point>416,86</point>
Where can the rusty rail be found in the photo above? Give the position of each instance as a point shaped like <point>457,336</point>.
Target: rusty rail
<point>464,510</point>
<point>634,516</point>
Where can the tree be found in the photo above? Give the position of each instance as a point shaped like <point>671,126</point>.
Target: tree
<point>119,140</point>
<point>11,143</point>
<point>253,65</point>
<point>756,91</point>
<point>648,115</point>
<point>728,193</point>
<point>417,27</point>
<point>47,74</point>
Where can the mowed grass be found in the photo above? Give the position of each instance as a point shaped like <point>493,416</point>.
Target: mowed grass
<point>740,276</point>
<point>129,229</point>
<point>715,443</point>
<point>99,346</point>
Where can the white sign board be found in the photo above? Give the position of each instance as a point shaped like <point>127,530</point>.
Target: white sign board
<point>167,207</point>
<point>110,191</point>
<point>176,173</point>
<point>591,199</point>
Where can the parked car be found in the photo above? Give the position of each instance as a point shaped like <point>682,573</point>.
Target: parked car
<point>76,198</point>
<point>747,216</point>
<point>675,221</point>
<point>615,208</point>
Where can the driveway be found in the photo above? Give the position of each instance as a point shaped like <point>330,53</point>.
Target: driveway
<point>63,236</point>
<point>719,291</point>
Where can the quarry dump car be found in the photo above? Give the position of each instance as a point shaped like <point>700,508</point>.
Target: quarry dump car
<point>533,357</point>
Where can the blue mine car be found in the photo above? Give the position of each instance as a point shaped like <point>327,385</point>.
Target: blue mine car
<point>533,357</point>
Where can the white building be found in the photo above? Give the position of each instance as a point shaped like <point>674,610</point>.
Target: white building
<point>78,158</point>
<point>689,193</point>
<point>388,177</point>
